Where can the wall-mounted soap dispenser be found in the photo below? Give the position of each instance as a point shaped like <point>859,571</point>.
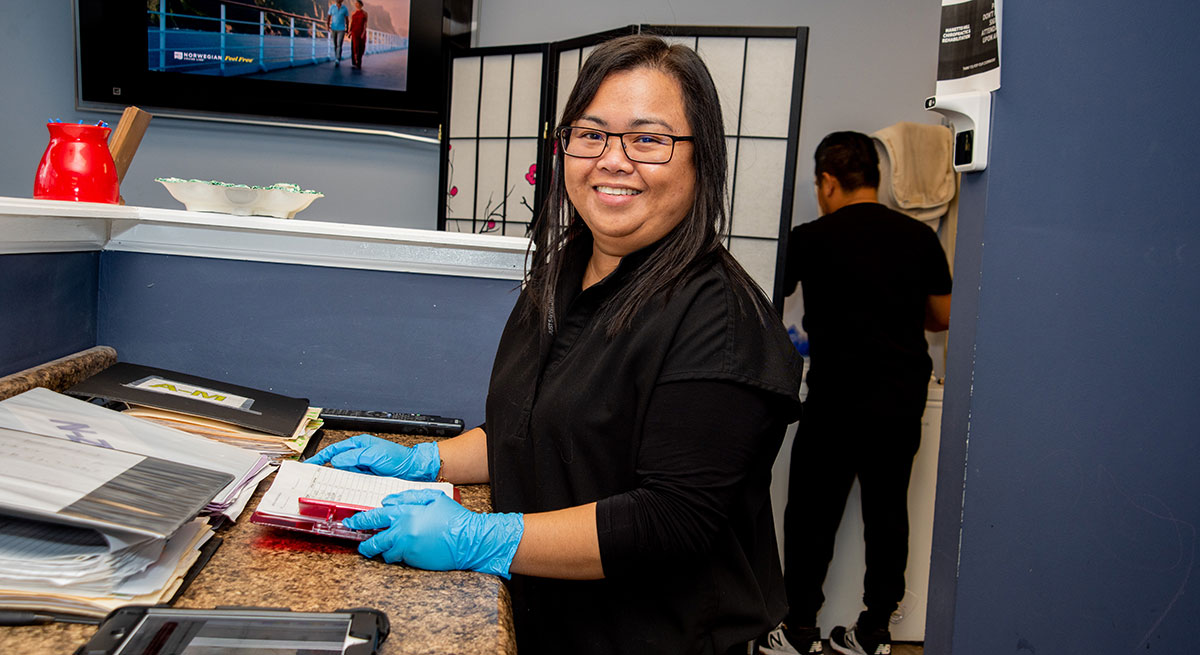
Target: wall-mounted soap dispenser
<point>969,115</point>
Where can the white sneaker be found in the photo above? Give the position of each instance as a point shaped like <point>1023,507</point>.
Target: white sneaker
<point>849,642</point>
<point>777,643</point>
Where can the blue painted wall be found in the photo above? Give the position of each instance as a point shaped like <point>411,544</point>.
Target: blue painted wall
<point>47,307</point>
<point>339,337</point>
<point>956,407</point>
<point>1068,498</point>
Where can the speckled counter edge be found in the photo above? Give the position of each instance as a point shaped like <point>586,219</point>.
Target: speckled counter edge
<point>59,374</point>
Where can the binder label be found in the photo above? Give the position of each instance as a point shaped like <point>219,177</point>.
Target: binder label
<point>164,386</point>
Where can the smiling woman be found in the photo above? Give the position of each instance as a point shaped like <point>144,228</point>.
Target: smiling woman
<point>639,395</point>
<point>646,87</point>
<point>629,205</point>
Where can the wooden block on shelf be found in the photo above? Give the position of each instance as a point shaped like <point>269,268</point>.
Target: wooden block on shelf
<point>127,137</point>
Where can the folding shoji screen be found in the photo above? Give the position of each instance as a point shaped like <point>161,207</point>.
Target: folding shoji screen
<point>494,150</point>
<point>759,74</point>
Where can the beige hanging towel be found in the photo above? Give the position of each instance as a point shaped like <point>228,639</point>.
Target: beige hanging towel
<point>916,169</point>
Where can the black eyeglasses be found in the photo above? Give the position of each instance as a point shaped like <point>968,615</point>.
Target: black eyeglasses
<point>641,147</point>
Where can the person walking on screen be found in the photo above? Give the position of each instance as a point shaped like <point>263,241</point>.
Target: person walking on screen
<point>336,18</point>
<point>358,34</point>
<point>873,280</point>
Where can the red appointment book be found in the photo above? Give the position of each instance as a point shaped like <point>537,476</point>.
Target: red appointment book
<point>311,498</point>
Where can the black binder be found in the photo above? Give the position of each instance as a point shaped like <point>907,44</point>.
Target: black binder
<point>190,394</point>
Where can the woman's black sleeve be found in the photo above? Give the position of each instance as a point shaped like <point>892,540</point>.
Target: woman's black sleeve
<point>703,440</point>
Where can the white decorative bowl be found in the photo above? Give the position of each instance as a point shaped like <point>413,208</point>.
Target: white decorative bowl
<point>279,200</point>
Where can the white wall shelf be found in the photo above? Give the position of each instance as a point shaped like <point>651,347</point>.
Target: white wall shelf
<point>33,226</point>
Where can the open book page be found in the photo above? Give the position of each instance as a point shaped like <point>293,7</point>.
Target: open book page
<point>296,480</point>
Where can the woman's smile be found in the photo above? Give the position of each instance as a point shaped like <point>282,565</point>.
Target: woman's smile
<point>617,191</point>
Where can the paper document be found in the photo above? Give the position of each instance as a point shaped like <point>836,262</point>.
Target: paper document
<point>44,412</point>
<point>296,480</point>
<point>127,497</point>
<point>28,461</point>
<point>328,495</point>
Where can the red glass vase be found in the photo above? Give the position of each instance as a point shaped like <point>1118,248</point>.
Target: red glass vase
<point>77,165</point>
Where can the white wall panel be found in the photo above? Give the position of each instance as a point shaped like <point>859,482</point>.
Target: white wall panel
<point>460,201</point>
<point>768,87</point>
<point>526,95</point>
<point>493,99</point>
<point>522,153</point>
<point>724,57</point>
<point>492,162</point>
<point>758,191</point>
<point>568,73</point>
<point>758,258</point>
<point>464,106</point>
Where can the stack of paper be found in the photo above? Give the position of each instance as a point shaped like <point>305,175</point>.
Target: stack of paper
<point>157,583</point>
<point>84,528</point>
<point>273,446</point>
<point>44,412</point>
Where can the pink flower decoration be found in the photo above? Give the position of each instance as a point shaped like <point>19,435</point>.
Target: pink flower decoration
<point>453,191</point>
<point>531,176</point>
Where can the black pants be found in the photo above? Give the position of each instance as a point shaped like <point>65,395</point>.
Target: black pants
<point>833,446</point>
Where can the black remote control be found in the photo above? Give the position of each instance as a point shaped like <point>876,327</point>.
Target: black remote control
<point>422,424</point>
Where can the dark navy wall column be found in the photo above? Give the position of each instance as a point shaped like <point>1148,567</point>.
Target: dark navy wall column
<point>340,337</point>
<point>47,307</point>
<point>1068,497</point>
<point>956,414</point>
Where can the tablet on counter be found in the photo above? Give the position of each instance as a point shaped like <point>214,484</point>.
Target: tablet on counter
<point>147,630</point>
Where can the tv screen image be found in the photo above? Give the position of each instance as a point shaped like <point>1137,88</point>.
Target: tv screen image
<point>276,58</point>
<point>285,40</point>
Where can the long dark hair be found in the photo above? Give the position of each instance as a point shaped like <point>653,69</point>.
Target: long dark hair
<point>698,236</point>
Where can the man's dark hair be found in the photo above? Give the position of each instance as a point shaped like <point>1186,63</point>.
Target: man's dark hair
<point>697,236</point>
<point>849,157</point>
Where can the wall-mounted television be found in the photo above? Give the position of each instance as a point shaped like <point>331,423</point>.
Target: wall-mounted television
<point>264,58</point>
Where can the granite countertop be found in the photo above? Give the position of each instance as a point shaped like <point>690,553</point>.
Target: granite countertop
<point>430,611</point>
<point>59,374</point>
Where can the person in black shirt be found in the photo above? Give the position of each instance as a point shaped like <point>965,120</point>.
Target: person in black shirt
<point>638,399</point>
<point>873,280</point>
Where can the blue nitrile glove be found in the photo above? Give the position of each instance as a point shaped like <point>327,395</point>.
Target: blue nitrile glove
<point>426,529</point>
<point>367,454</point>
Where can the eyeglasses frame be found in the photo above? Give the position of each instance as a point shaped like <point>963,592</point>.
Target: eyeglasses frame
<point>561,131</point>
